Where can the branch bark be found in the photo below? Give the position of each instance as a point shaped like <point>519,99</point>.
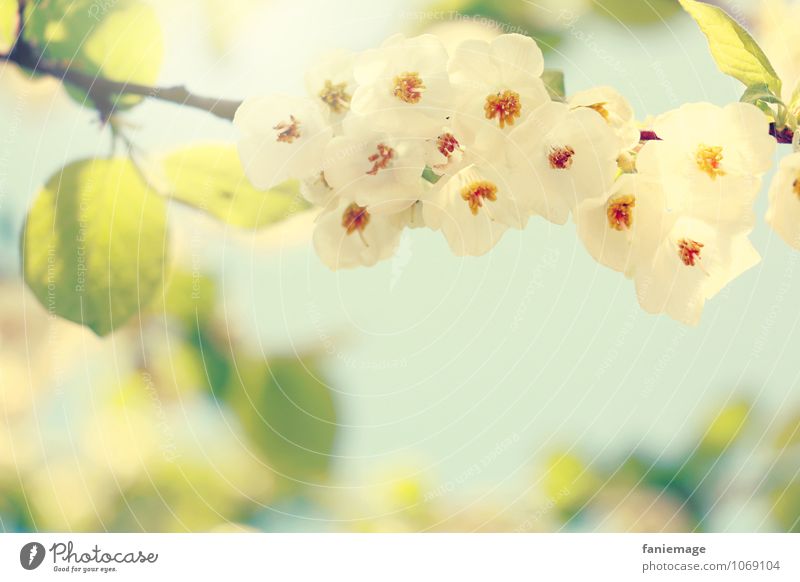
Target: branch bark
<point>105,92</point>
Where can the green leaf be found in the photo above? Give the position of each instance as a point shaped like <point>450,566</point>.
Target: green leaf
<point>94,244</point>
<point>211,178</point>
<point>554,82</point>
<point>762,97</point>
<point>9,19</point>
<point>430,176</point>
<point>119,40</point>
<point>288,412</point>
<point>759,92</point>
<point>733,49</point>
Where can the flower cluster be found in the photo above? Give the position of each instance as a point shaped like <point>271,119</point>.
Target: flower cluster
<point>471,144</point>
<point>679,225</point>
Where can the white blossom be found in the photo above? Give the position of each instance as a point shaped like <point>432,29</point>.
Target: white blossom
<point>624,228</point>
<point>316,189</point>
<point>374,168</point>
<point>691,264</point>
<point>280,138</point>
<point>569,155</point>
<point>614,109</point>
<point>497,85</point>
<point>474,207</point>
<point>347,235</point>
<point>331,81</point>
<point>710,160</point>
<point>783,214</point>
<point>404,87</point>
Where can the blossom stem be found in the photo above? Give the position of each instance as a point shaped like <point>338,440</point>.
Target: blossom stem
<point>782,135</point>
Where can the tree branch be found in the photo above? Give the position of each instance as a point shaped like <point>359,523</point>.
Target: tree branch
<point>105,92</point>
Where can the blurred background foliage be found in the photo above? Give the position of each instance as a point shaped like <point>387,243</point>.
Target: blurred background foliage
<point>547,20</point>
<point>180,420</point>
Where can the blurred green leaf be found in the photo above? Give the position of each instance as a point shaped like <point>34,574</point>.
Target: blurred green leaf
<point>786,507</point>
<point>183,458</point>
<point>569,482</point>
<point>725,428</point>
<point>554,81</point>
<point>513,17</point>
<point>636,13</point>
<point>189,297</point>
<point>15,514</point>
<point>120,40</point>
<point>94,244</point>
<point>288,413</point>
<point>713,447</point>
<point>642,471</point>
<point>733,49</point>
<point>789,433</point>
<point>502,13</point>
<point>190,359</point>
<point>9,19</point>
<point>211,178</point>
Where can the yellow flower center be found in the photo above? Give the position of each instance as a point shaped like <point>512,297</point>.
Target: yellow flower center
<point>380,159</point>
<point>689,251</point>
<point>408,87</point>
<point>505,106</point>
<point>561,158</point>
<point>620,212</point>
<point>475,193</point>
<point>288,131</point>
<point>335,96</point>
<point>708,159</point>
<point>355,219</point>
